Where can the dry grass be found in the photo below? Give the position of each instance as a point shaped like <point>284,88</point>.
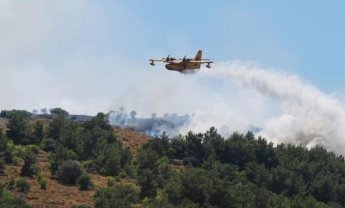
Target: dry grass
<point>131,139</point>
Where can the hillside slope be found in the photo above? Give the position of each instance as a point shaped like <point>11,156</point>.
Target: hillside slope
<point>57,194</point>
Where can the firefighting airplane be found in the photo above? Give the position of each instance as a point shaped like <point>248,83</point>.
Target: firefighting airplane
<point>185,65</point>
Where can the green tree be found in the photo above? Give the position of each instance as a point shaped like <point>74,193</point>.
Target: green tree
<point>101,120</point>
<point>60,155</point>
<point>71,137</point>
<point>324,188</point>
<point>238,151</point>
<point>38,133</point>
<point>56,112</point>
<point>17,125</point>
<point>341,194</point>
<point>29,168</point>
<point>194,149</point>
<point>57,126</point>
<point>213,143</point>
<point>177,148</point>
<point>147,158</point>
<point>9,113</point>
<point>256,173</point>
<point>109,158</point>
<point>195,185</point>
<point>264,153</point>
<point>148,183</point>
<point>279,179</point>
<point>173,190</point>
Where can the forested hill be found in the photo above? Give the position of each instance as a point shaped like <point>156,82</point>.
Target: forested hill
<point>195,170</point>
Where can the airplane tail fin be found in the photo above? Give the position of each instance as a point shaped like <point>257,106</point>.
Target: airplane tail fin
<point>198,56</point>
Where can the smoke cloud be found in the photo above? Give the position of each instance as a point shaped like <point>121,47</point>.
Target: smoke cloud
<point>307,115</point>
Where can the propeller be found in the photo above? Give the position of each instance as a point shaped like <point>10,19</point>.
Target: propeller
<point>184,62</point>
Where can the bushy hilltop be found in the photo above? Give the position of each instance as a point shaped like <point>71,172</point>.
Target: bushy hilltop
<point>195,170</point>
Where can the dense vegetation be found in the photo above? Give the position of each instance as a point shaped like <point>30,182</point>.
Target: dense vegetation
<point>196,170</point>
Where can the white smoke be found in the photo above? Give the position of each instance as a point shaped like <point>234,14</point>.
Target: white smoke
<point>308,116</point>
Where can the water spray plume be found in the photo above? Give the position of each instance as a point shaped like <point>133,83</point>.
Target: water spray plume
<point>308,117</point>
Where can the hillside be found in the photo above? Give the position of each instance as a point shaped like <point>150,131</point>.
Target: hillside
<point>56,194</point>
<point>195,170</point>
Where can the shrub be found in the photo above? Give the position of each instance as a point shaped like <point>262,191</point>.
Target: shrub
<point>117,178</point>
<point>84,182</point>
<point>102,171</point>
<point>16,160</point>
<point>39,176</point>
<point>117,196</point>
<point>90,166</point>
<point>18,150</point>
<point>2,167</point>
<point>69,172</point>
<point>11,184</point>
<point>32,148</point>
<point>33,169</point>
<point>111,181</point>
<point>8,199</point>
<point>8,157</point>
<point>60,155</point>
<point>22,185</point>
<point>48,144</point>
<point>122,175</point>
<point>43,183</point>
<point>29,168</point>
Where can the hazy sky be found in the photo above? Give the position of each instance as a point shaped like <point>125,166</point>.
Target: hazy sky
<point>88,56</point>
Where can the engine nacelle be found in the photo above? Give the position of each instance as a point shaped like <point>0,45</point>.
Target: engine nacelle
<point>208,65</point>
<point>152,63</point>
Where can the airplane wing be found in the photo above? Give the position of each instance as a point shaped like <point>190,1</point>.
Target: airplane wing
<point>165,60</point>
<point>152,61</point>
<point>162,60</point>
<point>208,63</point>
<point>201,62</point>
